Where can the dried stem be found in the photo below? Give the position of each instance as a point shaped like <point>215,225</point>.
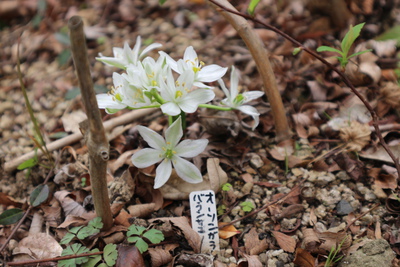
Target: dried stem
<point>73,138</point>
<point>92,128</point>
<point>345,79</point>
<point>260,56</point>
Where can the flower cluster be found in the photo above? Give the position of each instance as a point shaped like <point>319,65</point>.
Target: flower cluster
<point>147,82</point>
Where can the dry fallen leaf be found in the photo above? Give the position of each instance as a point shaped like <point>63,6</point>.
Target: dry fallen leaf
<point>285,242</point>
<point>141,210</point>
<point>252,243</point>
<point>303,258</point>
<point>250,261</point>
<point>227,231</point>
<point>181,227</point>
<point>159,256</point>
<point>129,256</point>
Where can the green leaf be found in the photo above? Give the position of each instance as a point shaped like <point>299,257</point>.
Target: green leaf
<point>161,2</point>
<point>330,49</point>
<point>28,164</point>
<point>135,230</point>
<point>58,135</point>
<point>359,53</point>
<point>247,206</point>
<point>110,254</point>
<point>71,94</point>
<point>74,249</point>
<point>11,216</point>
<point>67,263</point>
<point>139,243</point>
<point>226,187</point>
<point>96,223</point>
<point>391,34</point>
<point>252,6</point>
<point>155,236</point>
<point>296,50</point>
<point>86,232</point>
<point>350,37</point>
<point>39,195</point>
<point>67,239</point>
<point>93,259</point>
<point>62,38</point>
<point>63,57</point>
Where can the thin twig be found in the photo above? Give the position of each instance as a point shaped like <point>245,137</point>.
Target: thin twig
<point>31,262</point>
<point>361,215</point>
<point>345,79</point>
<point>73,138</point>
<point>263,207</point>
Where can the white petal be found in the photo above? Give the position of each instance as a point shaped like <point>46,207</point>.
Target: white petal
<point>112,61</point>
<point>151,137</point>
<point>191,148</point>
<point>234,83</point>
<point>163,172</point>
<point>186,170</point>
<point>190,55</point>
<point>202,85</point>
<point>252,111</point>
<point>223,87</point>
<point>174,133</point>
<point>149,48</point>
<point>251,95</point>
<point>170,109</point>
<point>107,101</point>
<point>146,157</point>
<point>135,50</point>
<point>170,62</point>
<point>190,102</point>
<point>211,73</point>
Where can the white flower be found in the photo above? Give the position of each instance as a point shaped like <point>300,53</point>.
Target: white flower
<point>178,95</point>
<point>235,100</point>
<point>125,56</point>
<point>121,96</point>
<point>147,74</point>
<point>191,62</point>
<point>170,152</point>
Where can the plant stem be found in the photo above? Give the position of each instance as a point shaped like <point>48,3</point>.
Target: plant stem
<point>92,128</point>
<point>215,107</point>
<point>261,57</point>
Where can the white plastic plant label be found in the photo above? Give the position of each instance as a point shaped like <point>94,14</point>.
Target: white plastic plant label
<point>204,219</point>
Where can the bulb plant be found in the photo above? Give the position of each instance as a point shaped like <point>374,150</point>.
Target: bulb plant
<point>146,82</point>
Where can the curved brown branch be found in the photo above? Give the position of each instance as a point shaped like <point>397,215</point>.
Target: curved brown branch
<point>340,73</point>
<point>260,56</point>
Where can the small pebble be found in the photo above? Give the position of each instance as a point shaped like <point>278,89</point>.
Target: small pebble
<point>256,162</point>
<point>343,207</point>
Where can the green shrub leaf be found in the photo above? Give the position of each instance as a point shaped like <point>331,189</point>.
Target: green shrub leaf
<point>11,216</point>
<point>155,236</point>
<point>39,195</point>
<point>110,254</point>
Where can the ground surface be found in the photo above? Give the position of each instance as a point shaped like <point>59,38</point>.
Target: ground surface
<point>321,194</point>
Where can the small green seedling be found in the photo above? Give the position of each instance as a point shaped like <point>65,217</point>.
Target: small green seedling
<point>226,187</point>
<point>247,206</point>
<point>82,232</point>
<point>221,209</point>
<point>139,236</point>
<point>332,259</point>
<point>345,46</point>
<point>108,258</point>
<point>252,6</point>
